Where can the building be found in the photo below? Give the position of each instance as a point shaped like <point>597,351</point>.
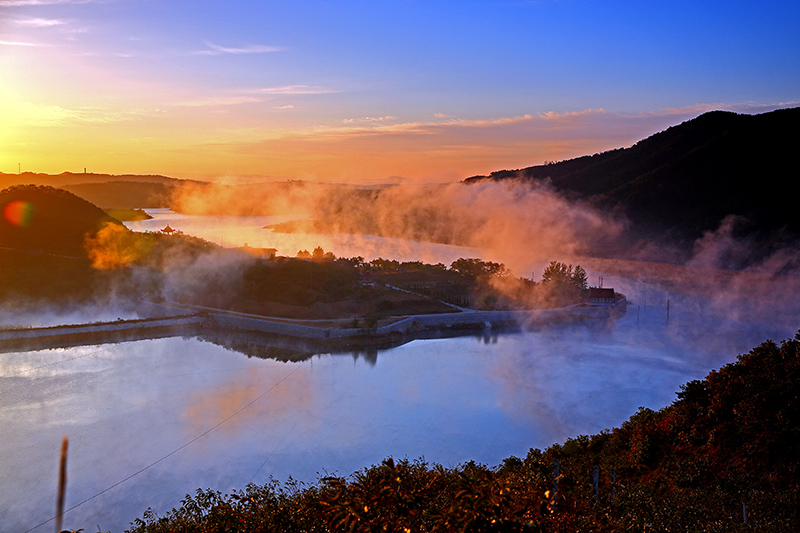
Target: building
<point>602,296</point>
<point>267,254</point>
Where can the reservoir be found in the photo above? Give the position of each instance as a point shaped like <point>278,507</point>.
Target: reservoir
<point>152,420</point>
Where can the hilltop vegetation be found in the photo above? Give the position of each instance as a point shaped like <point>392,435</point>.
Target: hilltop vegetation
<point>723,457</point>
<point>678,183</point>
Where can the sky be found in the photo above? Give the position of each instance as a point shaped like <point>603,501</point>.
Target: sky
<point>370,91</point>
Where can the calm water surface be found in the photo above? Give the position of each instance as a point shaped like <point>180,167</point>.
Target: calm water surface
<point>150,421</point>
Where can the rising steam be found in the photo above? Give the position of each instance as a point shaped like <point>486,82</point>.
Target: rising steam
<point>518,223</point>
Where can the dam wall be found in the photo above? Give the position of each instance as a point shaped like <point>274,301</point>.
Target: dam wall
<point>168,319</point>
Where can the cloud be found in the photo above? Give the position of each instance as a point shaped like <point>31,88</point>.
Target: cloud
<point>41,22</point>
<point>295,90</point>
<point>256,95</point>
<point>369,120</point>
<point>22,3</point>
<point>249,49</point>
<point>446,148</point>
<point>18,43</point>
<point>55,115</point>
<point>220,101</point>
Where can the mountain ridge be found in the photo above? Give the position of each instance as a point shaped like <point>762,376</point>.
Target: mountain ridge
<point>684,181</point>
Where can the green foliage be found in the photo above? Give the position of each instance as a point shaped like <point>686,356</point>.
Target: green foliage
<point>476,268</point>
<point>557,273</point>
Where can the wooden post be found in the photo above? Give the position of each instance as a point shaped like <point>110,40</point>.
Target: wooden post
<point>62,484</point>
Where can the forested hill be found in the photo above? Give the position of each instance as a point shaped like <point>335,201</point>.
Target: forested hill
<point>685,180</point>
<point>41,218</point>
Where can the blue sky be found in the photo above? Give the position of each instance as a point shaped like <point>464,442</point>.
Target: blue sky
<point>357,90</point>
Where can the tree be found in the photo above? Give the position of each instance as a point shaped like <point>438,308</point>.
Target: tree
<point>563,274</point>
<point>557,272</point>
<point>475,268</point>
<point>579,278</point>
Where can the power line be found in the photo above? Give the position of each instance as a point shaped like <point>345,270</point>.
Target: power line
<point>53,364</point>
<point>173,452</point>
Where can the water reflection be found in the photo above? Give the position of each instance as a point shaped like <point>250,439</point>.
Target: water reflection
<point>182,413</point>
<point>152,420</point>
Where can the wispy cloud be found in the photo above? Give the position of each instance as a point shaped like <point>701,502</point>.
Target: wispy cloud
<point>295,89</point>
<point>18,43</point>
<point>215,49</point>
<point>55,115</point>
<point>370,120</point>
<point>40,22</point>
<point>220,101</point>
<point>21,3</point>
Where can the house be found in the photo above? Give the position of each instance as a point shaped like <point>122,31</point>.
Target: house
<point>602,296</point>
<point>267,254</point>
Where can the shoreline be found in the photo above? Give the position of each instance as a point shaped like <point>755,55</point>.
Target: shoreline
<point>172,319</point>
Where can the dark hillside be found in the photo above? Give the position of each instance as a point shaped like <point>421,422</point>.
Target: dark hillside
<point>41,218</point>
<point>685,180</point>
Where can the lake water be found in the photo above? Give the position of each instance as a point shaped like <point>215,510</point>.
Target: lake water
<point>150,421</point>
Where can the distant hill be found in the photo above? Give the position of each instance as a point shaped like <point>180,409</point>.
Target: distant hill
<point>678,183</point>
<point>73,178</point>
<point>42,218</point>
<point>125,194</point>
<point>106,190</point>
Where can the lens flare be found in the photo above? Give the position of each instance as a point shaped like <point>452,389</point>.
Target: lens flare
<point>19,213</point>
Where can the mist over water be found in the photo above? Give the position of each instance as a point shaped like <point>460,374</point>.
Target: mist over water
<point>150,421</point>
<point>236,231</point>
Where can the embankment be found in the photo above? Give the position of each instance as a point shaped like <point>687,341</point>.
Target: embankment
<point>99,333</point>
<point>172,319</point>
